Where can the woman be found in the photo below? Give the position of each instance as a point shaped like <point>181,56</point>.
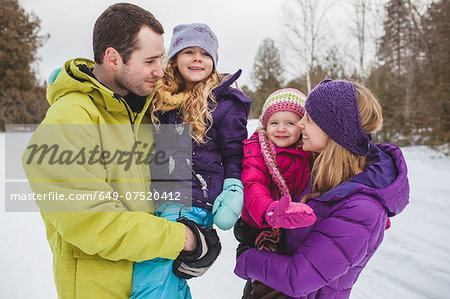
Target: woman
<point>355,185</point>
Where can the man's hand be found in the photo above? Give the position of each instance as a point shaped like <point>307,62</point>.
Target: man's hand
<point>196,262</point>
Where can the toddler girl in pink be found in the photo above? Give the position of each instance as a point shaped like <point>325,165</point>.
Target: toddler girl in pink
<point>275,169</point>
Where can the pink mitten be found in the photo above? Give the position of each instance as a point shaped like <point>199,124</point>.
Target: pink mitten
<point>286,214</point>
<point>388,224</point>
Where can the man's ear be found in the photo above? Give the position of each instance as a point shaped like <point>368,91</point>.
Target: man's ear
<point>112,58</point>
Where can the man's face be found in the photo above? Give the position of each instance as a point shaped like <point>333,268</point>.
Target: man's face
<point>143,69</point>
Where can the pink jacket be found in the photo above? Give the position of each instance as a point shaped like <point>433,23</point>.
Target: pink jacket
<point>259,189</point>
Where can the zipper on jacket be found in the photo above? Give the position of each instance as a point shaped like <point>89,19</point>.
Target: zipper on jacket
<point>203,184</point>
<point>121,100</point>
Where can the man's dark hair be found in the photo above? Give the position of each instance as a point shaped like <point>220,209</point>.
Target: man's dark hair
<point>118,27</point>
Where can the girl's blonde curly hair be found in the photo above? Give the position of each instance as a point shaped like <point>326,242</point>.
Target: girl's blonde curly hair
<point>196,110</point>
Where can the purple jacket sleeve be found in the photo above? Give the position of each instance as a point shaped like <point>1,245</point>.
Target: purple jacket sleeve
<point>232,130</point>
<point>334,246</point>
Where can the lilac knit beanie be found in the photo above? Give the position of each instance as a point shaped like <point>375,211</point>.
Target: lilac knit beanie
<point>194,35</point>
<point>287,99</point>
<point>332,105</point>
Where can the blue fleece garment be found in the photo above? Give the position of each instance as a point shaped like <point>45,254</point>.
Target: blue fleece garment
<point>154,278</point>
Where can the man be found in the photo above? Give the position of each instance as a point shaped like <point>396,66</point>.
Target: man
<point>98,109</point>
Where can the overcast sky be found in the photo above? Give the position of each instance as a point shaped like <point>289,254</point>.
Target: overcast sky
<point>240,26</point>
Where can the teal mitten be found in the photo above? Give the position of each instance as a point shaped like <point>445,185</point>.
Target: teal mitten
<point>228,205</point>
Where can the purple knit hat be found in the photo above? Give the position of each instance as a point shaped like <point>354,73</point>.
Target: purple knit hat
<point>332,105</point>
<point>287,99</point>
<point>194,35</point>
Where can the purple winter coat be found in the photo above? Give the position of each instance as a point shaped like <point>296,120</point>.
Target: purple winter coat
<point>221,156</point>
<point>325,259</point>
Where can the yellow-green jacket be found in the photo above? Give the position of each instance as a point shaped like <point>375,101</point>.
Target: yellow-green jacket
<point>95,242</point>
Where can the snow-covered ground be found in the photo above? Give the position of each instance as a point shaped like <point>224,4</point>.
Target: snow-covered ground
<point>412,262</point>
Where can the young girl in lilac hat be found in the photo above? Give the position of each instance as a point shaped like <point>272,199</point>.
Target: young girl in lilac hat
<point>275,170</point>
<point>193,93</point>
<point>355,185</point>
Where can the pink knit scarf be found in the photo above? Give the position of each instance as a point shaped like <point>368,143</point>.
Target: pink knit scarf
<point>269,239</point>
<point>269,154</point>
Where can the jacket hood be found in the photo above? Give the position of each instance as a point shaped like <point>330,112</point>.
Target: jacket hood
<point>72,79</point>
<point>385,177</point>
<point>225,88</point>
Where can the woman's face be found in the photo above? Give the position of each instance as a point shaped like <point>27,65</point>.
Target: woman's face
<point>281,128</point>
<point>314,139</point>
<point>194,65</point>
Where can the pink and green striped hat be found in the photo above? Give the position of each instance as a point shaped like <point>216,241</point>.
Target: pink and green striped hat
<point>287,99</point>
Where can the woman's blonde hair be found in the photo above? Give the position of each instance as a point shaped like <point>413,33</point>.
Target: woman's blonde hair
<point>335,164</point>
<point>195,110</point>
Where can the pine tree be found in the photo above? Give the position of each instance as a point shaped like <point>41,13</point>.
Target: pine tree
<point>267,74</point>
<point>19,41</point>
<point>434,83</point>
<point>398,55</point>
<point>22,100</point>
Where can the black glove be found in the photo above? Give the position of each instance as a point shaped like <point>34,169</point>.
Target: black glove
<point>246,236</point>
<point>194,263</point>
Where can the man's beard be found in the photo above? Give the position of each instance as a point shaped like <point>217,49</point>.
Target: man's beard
<point>125,81</point>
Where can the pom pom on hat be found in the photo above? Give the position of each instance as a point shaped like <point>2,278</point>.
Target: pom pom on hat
<point>287,99</point>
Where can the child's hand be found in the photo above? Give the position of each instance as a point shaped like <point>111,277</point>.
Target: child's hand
<point>286,214</point>
<point>228,205</point>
